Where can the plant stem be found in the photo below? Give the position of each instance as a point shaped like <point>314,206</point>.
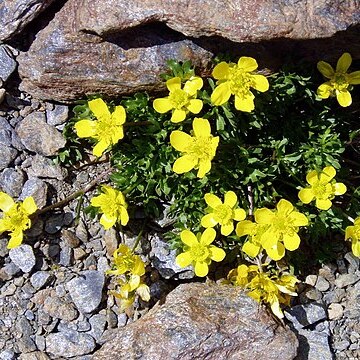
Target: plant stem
<point>138,238</point>
<point>258,263</point>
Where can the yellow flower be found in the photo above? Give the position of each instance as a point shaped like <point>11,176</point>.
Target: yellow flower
<point>353,233</point>
<point>264,286</point>
<point>15,218</point>
<point>339,81</point>
<point>112,206</point>
<point>283,226</point>
<point>237,79</point>
<point>222,213</point>
<point>107,130</point>
<point>180,101</point>
<point>198,150</point>
<point>322,188</point>
<point>198,251</point>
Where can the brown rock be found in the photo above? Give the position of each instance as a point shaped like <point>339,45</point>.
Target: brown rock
<point>15,14</point>
<point>202,321</point>
<point>60,309</point>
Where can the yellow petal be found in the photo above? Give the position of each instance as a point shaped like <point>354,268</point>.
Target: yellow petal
<point>230,199</point>
<point>239,214</point>
<point>16,239</point>
<point>323,204</point>
<point>201,269</point>
<point>124,216</point>
<point>208,221</point>
<point>245,227</point>
<point>99,108</point>
<point>344,98</point>
<point>144,292</point>
<point>162,105</point>
<point>204,168</point>
<point>298,219</point>
<point>349,232</point>
<point>291,242</point>
<point>201,127</point>
<point>4,227</point>
<point>119,115</point>
<point>180,140</point>
<point>178,115</point>
<point>260,83</point>
<point>343,63</point>
<point>355,247</point>
<point>227,229</point>
<point>184,259</point>
<point>208,236</point>
<point>217,254</point>
<point>195,106</point>
<point>306,195</point>
<point>6,202</point>
<point>325,90</point>
<point>173,84</point>
<point>312,177</point>
<point>284,207</point>
<point>29,205</point>
<point>327,174</point>
<point>245,103</point>
<point>193,85</point>
<point>339,188</point>
<point>276,252</point>
<point>247,63</point>
<point>264,216</point>
<point>221,71</point>
<point>100,147</point>
<point>117,135</point>
<point>221,94</point>
<point>275,308</point>
<point>326,69</point>
<point>250,249</point>
<point>85,128</point>
<point>212,200</point>
<point>107,222</point>
<point>354,78</point>
<point>188,238</point>
<point>184,164</point>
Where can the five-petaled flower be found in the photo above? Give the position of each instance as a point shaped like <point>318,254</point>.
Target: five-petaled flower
<point>237,79</point>
<point>323,188</point>
<point>266,287</point>
<point>180,101</point>
<point>198,150</point>
<point>15,218</point>
<point>353,233</point>
<point>339,82</point>
<point>222,213</point>
<point>112,206</point>
<point>198,251</point>
<point>107,130</point>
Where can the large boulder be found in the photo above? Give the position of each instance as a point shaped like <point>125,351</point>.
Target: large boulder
<point>202,321</point>
<point>115,47</point>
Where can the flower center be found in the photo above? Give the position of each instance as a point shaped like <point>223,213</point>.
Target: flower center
<point>105,128</point>
<point>321,190</point>
<point>17,219</point>
<point>201,147</point>
<point>223,214</point>
<point>280,223</point>
<point>240,81</point>
<point>179,98</point>
<point>199,252</point>
<point>340,82</point>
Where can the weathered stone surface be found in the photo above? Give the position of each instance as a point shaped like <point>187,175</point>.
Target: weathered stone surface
<point>23,257</point>
<point>12,181</point>
<point>15,14</point>
<point>8,64</point>
<point>60,309</point>
<point>8,154</point>
<point>43,167</point>
<point>118,47</point>
<point>86,290</point>
<point>38,136</point>
<point>313,345</point>
<point>202,321</point>
<point>37,189</point>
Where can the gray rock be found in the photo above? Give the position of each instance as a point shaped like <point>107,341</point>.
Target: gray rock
<point>58,115</point>
<point>11,269</point>
<point>352,260</point>
<point>66,256</point>
<point>8,64</point>
<point>111,241</point>
<point>36,355</point>
<point>8,155</point>
<point>69,344</point>
<point>335,311</point>
<point>322,284</point>
<point>313,345</point>
<point>40,279</point>
<point>38,136</point>
<point>70,238</point>
<point>54,223</point>
<point>37,189</point>
<point>83,325</point>
<point>304,315</point>
<point>42,167</point>
<point>103,264</point>
<point>202,321</point>
<point>7,355</point>
<point>5,132</point>
<point>15,14</point>
<point>86,290</point>
<point>60,309</point>
<point>341,345</point>
<point>163,259</point>
<point>12,181</point>
<point>23,257</point>
<point>98,324</point>
<point>344,280</point>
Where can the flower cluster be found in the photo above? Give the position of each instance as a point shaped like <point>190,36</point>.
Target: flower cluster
<point>16,217</point>
<point>265,287</point>
<point>128,268</point>
<point>273,230</point>
<point>323,188</point>
<point>112,205</point>
<point>352,233</point>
